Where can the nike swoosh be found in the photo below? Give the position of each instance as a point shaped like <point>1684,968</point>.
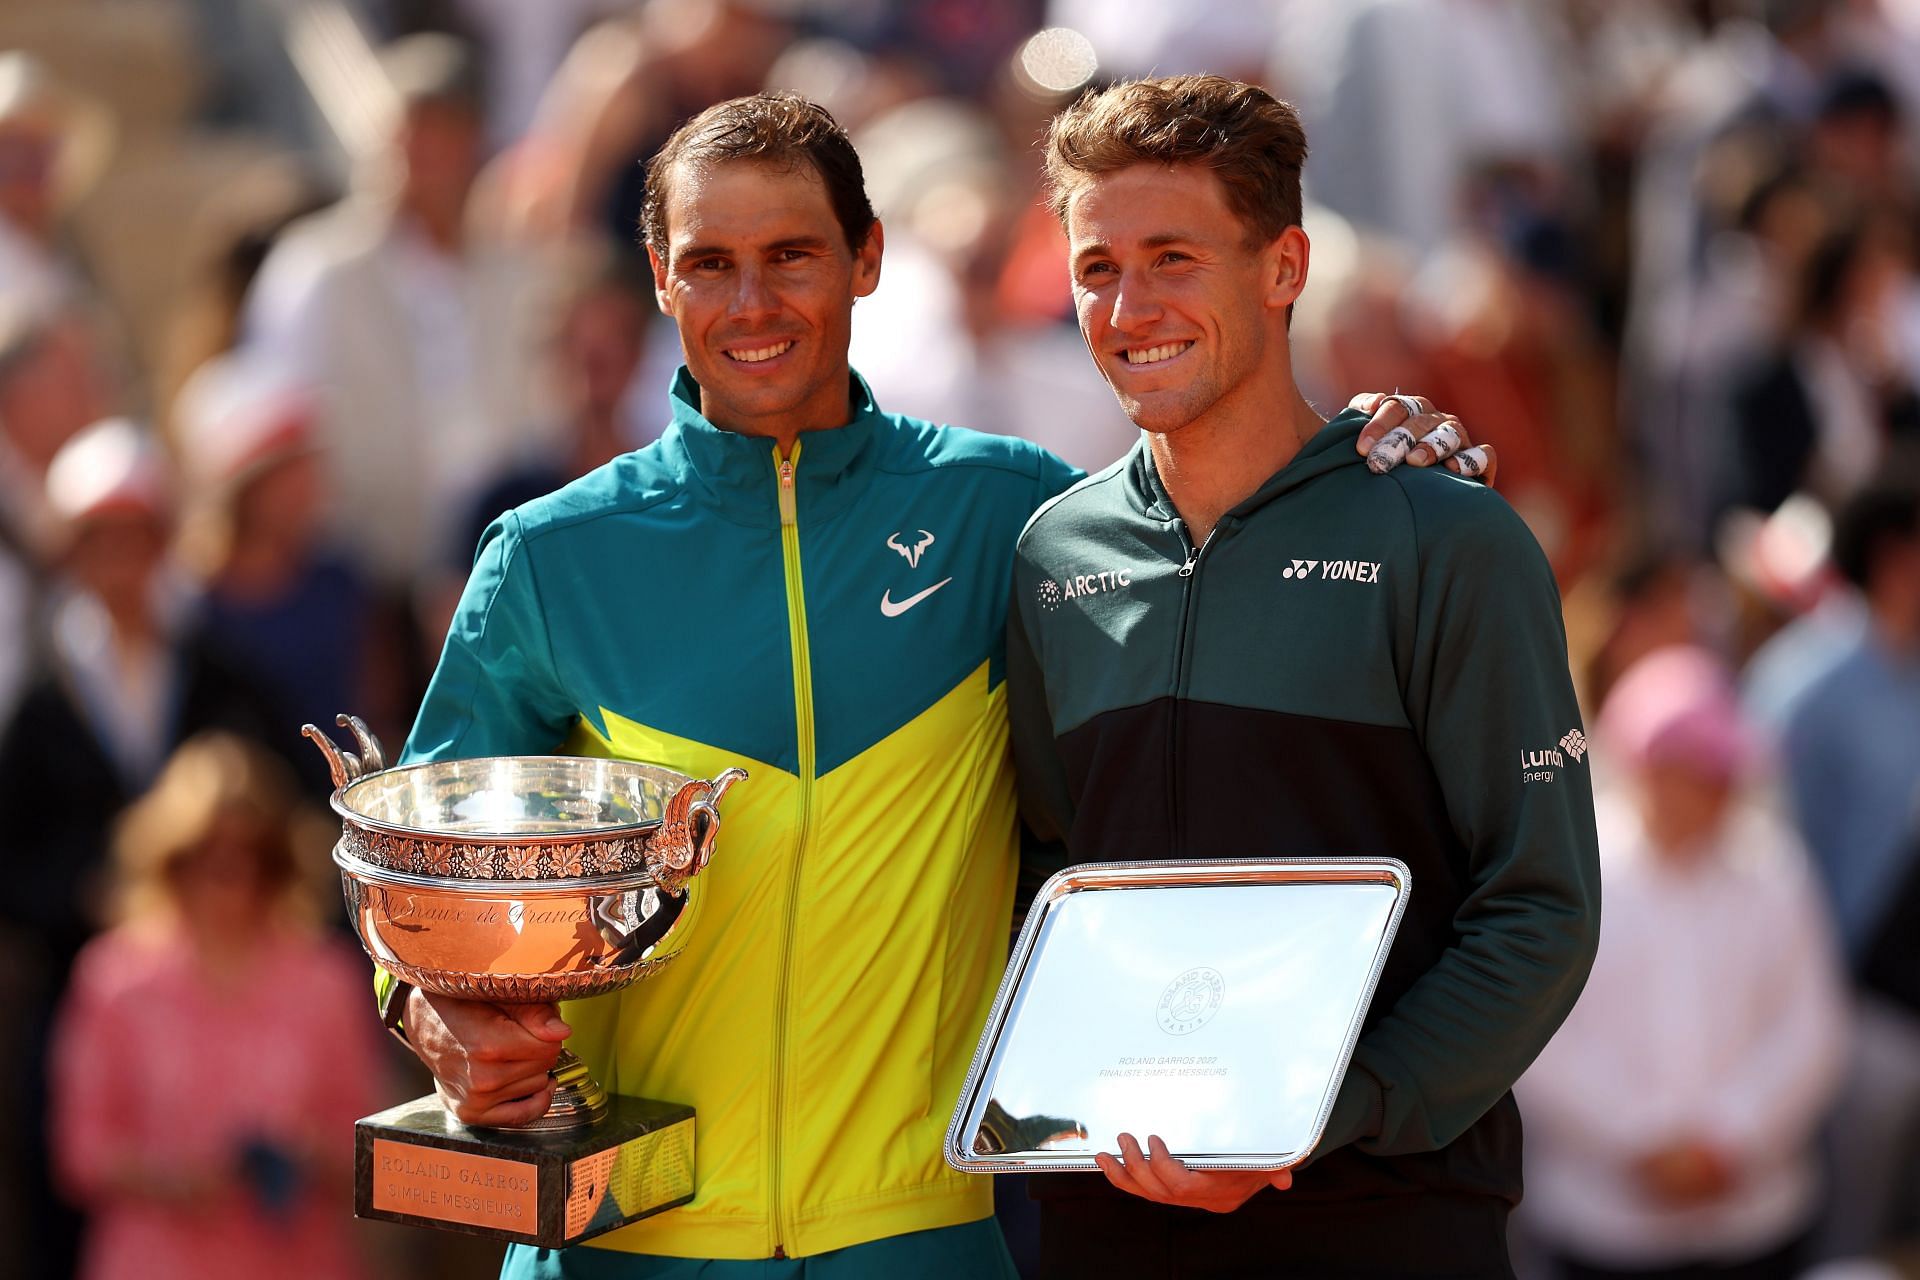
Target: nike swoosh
<point>894,608</point>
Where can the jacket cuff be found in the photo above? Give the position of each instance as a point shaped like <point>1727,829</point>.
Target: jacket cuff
<point>1357,1112</point>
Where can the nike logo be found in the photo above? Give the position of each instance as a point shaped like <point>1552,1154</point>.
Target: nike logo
<point>894,608</point>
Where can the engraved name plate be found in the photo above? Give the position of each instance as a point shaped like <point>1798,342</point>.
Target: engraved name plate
<point>1213,1003</point>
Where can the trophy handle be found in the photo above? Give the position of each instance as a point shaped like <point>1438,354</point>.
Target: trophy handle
<point>345,766</point>
<point>373,758</point>
<point>683,845</point>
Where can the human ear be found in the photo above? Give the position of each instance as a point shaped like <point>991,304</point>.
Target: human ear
<point>1285,263</point>
<point>662,296</point>
<point>866,262</point>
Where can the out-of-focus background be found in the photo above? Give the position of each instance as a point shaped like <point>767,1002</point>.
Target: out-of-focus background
<point>292,301</point>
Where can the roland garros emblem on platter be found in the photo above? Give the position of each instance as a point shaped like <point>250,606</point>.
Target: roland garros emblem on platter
<point>1191,1000</point>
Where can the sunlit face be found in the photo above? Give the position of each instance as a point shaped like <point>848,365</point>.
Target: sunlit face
<point>600,346</point>
<point>440,146</point>
<point>29,153</point>
<point>286,500</point>
<point>761,282</point>
<point>1682,807</point>
<point>1180,312</point>
<point>115,553</point>
<point>223,882</point>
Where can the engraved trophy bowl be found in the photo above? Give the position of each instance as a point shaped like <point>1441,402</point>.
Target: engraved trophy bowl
<point>521,879</point>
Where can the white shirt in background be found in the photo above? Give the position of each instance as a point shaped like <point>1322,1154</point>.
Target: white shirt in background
<point>1716,1009</point>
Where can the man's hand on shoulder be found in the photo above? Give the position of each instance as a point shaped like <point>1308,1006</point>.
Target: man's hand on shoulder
<point>1155,1175</point>
<point>1410,429</point>
<point>489,1061</point>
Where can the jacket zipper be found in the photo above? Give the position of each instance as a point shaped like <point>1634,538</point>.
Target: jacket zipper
<point>1188,568</point>
<point>803,721</point>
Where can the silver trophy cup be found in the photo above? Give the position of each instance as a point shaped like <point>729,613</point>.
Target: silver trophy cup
<point>522,879</point>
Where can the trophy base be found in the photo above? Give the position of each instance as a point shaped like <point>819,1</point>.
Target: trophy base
<point>416,1164</point>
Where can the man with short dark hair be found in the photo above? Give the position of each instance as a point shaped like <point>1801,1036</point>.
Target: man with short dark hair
<point>1297,660</point>
<point>792,580</point>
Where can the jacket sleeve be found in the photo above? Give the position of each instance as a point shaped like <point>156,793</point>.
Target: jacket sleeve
<point>495,691</point>
<point>1487,691</point>
<point>1046,805</point>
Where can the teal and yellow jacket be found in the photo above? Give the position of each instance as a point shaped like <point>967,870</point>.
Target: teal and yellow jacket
<point>834,623</point>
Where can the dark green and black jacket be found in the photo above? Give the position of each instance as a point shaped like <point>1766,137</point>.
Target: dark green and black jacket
<point>1350,665</point>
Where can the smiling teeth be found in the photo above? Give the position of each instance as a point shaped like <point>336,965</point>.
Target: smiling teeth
<point>757,354</point>
<point>1152,355</point>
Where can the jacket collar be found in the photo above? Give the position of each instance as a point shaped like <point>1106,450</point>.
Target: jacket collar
<point>742,471</point>
<point>1329,449</point>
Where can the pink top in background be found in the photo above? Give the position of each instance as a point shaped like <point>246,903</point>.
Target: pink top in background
<point>152,1060</point>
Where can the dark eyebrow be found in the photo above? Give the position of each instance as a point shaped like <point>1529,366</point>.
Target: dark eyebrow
<point>801,242</point>
<point>1156,241</point>
<point>1096,250</point>
<point>697,251</point>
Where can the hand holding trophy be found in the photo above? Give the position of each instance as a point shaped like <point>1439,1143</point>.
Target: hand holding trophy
<point>522,880</point>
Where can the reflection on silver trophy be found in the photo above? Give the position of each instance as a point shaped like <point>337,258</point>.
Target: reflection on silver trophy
<point>521,879</point>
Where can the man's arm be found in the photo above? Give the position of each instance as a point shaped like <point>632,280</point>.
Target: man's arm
<point>1488,690</point>
<point>495,692</point>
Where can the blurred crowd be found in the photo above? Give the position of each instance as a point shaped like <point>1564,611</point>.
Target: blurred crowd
<point>295,297</point>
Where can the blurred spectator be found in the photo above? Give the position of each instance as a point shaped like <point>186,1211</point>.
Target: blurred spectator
<point>117,685</point>
<point>49,389</point>
<point>1857,138</point>
<point>1654,597</point>
<point>1818,407</point>
<point>608,382</point>
<point>273,595</point>
<point>1512,352</point>
<point>225,252</point>
<point>1148,38</point>
<point>524,45</point>
<point>1671,1122</point>
<point>1785,561</point>
<point>939,338</point>
<point>1472,82</point>
<point>420,338</point>
<point>1852,741</point>
<point>53,145</point>
<point>214,1049</point>
<point>623,88</point>
<point>596,359</point>
<point>1852,751</point>
<point>122,681</point>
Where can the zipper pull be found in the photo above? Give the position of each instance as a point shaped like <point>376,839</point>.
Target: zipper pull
<point>789,497</point>
<point>1186,570</point>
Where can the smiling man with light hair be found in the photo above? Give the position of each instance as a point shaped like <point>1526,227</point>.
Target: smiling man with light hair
<point>1303,660</point>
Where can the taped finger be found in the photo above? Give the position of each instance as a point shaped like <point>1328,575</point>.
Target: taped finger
<point>1413,405</point>
<point>1444,440</point>
<point>1390,452</point>
<point>1471,462</point>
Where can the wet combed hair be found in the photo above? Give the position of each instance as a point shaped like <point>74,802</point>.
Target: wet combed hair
<point>1252,141</point>
<point>780,129</point>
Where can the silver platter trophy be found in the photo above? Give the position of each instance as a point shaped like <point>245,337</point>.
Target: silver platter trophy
<point>522,879</point>
<point>1213,1003</point>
